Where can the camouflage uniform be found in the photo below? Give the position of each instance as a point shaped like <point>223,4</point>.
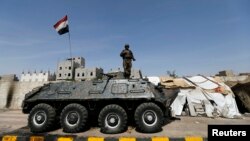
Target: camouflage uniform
<point>127,56</point>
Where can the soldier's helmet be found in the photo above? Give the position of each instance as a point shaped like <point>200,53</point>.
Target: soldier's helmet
<point>126,46</point>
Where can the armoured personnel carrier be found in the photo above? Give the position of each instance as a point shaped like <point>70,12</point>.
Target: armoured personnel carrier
<point>111,100</point>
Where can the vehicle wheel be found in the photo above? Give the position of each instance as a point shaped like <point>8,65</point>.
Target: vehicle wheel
<point>73,118</point>
<point>112,119</point>
<point>148,118</point>
<point>41,118</point>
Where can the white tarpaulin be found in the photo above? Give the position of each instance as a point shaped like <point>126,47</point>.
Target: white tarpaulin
<point>154,79</point>
<point>203,82</point>
<point>205,96</point>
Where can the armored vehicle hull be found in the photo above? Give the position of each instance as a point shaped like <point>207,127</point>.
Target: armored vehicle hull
<point>112,101</point>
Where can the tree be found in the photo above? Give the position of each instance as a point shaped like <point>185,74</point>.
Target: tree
<point>172,73</point>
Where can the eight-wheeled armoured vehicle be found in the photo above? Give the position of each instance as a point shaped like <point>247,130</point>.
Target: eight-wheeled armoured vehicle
<point>110,101</point>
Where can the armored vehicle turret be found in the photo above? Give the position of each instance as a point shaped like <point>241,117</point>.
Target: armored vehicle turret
<point>110,101</point>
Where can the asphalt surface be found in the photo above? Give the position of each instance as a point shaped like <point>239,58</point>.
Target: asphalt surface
<point>14,122</point>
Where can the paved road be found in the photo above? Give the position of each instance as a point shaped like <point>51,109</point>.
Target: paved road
<point>11,120</point>
<point>16,122</point>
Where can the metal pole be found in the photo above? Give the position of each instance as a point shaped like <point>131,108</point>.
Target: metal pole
<point>70,54</point>
<point>70,46</point>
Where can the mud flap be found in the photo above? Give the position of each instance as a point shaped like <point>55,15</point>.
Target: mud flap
<point>169,113</point>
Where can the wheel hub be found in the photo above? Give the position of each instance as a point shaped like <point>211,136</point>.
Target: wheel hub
<point>149,118</point>
<point>39,118</point>
<point>72,118</point>
<point>112,120</point>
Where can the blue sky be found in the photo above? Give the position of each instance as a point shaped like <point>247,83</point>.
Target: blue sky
<point>188,36</point>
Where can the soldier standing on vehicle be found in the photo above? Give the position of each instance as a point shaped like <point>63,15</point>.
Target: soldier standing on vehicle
<point>127,56</point>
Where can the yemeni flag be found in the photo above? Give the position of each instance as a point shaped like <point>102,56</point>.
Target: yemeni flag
<point>62,26</point>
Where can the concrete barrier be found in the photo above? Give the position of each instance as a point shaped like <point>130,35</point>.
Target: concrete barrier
<point>76,138</point>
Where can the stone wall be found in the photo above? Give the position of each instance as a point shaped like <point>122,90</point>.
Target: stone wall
<point>12,93</point>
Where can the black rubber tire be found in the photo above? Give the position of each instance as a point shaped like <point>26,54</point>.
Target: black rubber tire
<point>46,114</point>
<point>81,115</point>
<point>114,112</point>
<point>155,114</point>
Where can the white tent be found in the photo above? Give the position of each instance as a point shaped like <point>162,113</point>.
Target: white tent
<point>205,96</point>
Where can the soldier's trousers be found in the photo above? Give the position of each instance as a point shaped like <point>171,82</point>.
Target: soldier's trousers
<point>127,65</point>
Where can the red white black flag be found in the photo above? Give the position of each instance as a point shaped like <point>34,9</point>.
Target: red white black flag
<point>62,26</point>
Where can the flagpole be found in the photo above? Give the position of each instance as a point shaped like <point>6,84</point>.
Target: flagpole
<point>70,53</point>
<point>70,46</point>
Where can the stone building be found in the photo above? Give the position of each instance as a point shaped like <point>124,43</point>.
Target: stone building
<point>226,73</point>
<point>82,73</point>
<point>66,68</point>
<point>74,69</point>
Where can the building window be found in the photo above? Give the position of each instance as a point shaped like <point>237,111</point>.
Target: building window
<point>60,75</point>
<point>91,74</point>
<point>78,74</point>
<point>68,74</point>
<point>60,68</point>
<point>69,68</point>
<point>82,74</point>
